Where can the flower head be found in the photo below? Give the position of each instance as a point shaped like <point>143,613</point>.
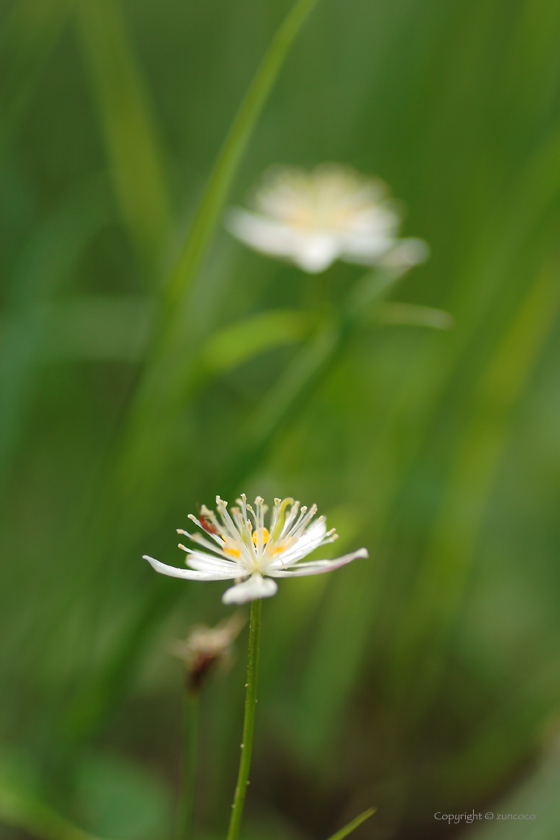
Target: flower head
<point>246,551</point>
<point>313,218</point>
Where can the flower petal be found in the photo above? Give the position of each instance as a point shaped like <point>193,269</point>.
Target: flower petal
<point>250,590</point>
<point>317,567</point>
<point>265,235</point>
<point>315,253</point>
<point>406,253</point>
<point>207,563</point>
<point>190,574</point>
<point>304,545</point>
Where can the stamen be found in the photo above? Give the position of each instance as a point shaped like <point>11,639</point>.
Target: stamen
<point>265,536</point>
<point>205,521</point>
<point>290,518</point>
<point>233,550</point>
<point>259,523</point>
<point>279,518</point>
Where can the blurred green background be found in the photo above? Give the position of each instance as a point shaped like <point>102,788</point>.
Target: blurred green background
<point>423,680</point>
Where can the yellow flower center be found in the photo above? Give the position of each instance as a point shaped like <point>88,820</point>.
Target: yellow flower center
<point>281,547</point>
<point>265,536</point>
<point>230,549</point>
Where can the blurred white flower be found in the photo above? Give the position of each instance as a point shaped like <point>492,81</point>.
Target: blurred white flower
<point>313,218</point>
<point>247,552</point>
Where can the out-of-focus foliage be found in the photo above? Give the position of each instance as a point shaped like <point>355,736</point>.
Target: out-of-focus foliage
<point>425,679</point>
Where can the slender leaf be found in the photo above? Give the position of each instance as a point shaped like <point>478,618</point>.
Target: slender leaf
<point>242,340</point>
<point>52,254</point>
<point>230,156</point>
<point>413,315</point>
<point>159,400</point>
<point>344,832</point>
<point>26,41</point>
<point>27,813</point>
<point>445,573</point>
<point>131,137</point>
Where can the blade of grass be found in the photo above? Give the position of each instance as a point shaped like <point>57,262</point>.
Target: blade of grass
<point>230,156</point>
<point>35,818</point>
<point>445,573</point>
<point>51,255</point>
<point>236,343</point>
<point>160,395</point>
<point>421,396</point>
<point>27,40</point>
<point>502,741</point>
<point>414,315</point>
<point>159,398</point>
<point>344,832</point>
<point>128,126</point>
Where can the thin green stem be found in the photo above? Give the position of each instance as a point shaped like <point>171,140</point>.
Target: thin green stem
<point>249,722</point>
<point>184,827</point>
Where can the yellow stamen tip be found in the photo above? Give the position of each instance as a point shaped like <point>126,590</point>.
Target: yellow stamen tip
<point>265,536</point>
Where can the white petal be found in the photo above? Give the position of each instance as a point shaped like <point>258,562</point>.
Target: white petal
<point>307,543</point>
<point>207,563</point>
<point>190,574</point>
<point>365,250</point>
<point>317,567</point>
<point>407,252</point>
<point>315,253</point>
<point>250,590</point>
<point>267,236</point>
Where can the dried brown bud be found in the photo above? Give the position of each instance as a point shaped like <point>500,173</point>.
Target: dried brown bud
<point>208,526</point>
<point>207,647</point>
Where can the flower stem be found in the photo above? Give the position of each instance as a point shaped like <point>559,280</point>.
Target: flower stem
<point>184,825</point>
<point>248,723</point>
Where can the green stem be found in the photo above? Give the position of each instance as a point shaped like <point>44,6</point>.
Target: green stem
<point>249,722</point>
<point>184,827</point>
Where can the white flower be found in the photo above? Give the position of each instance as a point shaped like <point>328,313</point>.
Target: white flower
<point>247,552</point>
<point>313,218</point>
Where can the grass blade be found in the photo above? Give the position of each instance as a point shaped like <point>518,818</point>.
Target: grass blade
<point>51,256</point>
<point>35,818</point>
<point>230,156</point>
<point>26,43</point>
<point>130,134</point>
<point>161,391</point>
<point>449,557</point>
<point>160,396</point>
<point>481,290</point>
<point>344,832</point>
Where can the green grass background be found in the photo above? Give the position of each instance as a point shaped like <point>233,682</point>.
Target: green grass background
<point>425,679</point>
